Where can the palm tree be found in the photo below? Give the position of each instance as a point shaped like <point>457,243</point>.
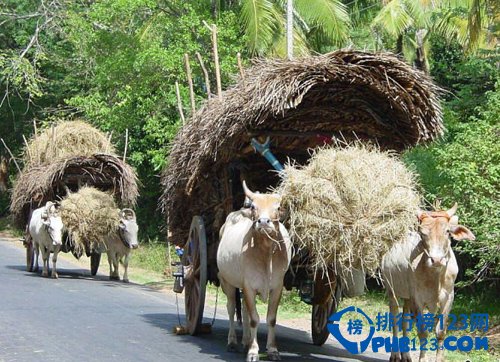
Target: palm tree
<point>411,22</point>
<point>264,24</point>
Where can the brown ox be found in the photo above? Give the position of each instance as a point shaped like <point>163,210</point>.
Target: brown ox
<point>422,271</point>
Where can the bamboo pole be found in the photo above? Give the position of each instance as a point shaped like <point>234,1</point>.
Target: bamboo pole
<point>216,61</point>
<point>190,82</point>
<point>53,137</point>
<point>179,103</point>
<point>126,145</point>
<point>11,155</point>
<point>240,66</point>
<point>109,141</point>
<point>27,149</point>
<point>35,136</point>
<point>205,73</point>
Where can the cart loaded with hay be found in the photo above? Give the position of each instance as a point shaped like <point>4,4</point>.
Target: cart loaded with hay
<point>59,162</point>
<point>337,121</point>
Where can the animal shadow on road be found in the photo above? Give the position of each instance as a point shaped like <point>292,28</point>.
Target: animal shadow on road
<point>64,273</point>
<point>294,345</point>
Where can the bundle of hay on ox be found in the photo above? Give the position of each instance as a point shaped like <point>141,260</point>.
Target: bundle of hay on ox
<point>341,206</point>
<point>62,159</point>
<point>94,222</point>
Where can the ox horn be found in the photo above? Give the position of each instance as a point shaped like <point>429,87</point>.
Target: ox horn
<point>131,212</point>
<point>251,195</point>
<point>453,210</point>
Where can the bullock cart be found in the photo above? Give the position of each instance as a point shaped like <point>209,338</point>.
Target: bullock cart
<point>298,105</point>
<point>62,159</point>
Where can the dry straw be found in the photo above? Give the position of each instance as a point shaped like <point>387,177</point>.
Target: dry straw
<point>39,184</point>
<point>64,140</point>
<point>89,216</point>
<point>375,96</point>
<point>348,206</point>
<point>69,155</point>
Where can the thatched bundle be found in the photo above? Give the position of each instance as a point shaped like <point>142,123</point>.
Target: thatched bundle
<point>65,140</point>
<point>39,184</point>
<point>89,215</point>
<point>348,206</point>
<point>301,104</point>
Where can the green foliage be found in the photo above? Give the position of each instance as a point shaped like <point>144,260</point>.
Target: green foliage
<point>465,168</point>
<point>129,54</point>
<point>150,256</point>
<point>317,24</point>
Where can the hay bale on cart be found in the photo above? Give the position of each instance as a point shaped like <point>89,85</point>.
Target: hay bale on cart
<point>347,207</point>
<point>62,159</point>
<point>300,104</point>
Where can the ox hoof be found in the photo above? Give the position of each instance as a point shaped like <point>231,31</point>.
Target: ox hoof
<point>124,280</point>
<point>45,274</point>
<point>395,358</point>
<point>405,357</point>
<point>253,357</point>
<point>55,276</point>
<point>232,347</point>
<point>274,356</point>
<point>114,277</point>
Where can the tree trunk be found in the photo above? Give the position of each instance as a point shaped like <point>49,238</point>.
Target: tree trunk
<point>4,174</point>
<point>289,29</point>
<point>399,44</point>
<point>214,4</point>
<point>421,55</point>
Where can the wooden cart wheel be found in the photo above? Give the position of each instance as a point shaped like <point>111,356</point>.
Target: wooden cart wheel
<point>95,259</point>
<point>320,315</point>
<point>30,256</point>
<point>194,260</point>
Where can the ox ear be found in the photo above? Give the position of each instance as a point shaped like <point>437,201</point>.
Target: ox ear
<point>420,215</point>
<point>122,225</point>
<point>45,218</point>
<point>459,232</point>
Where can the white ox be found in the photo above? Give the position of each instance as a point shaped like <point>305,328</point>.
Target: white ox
<point>422,271</point>
<point>119,244</point>
<point>253,255</point>
<point>45,229</point>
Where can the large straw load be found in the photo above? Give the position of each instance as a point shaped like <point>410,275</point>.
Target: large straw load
<point>68,155</point>
<point>89,215</point>
<point>346,94</point>
<point>348,205</point>
<point>67,139</point>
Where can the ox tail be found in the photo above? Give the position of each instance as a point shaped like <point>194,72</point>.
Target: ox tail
<point>238,305</point>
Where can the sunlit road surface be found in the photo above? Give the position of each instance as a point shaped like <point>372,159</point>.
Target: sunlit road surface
<point>82,318</point>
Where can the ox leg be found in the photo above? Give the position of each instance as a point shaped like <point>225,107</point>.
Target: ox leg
<point>126,258</point>
<point>246,339</point>
<point>37,253</point>
<point>45,259</point>
<point>113,268</point>
<point>230,292</point>
<point>54,261</point>
<point>405,356</point>
<point>422,335</point>
<point>272,311</point>
<point>249,298</point>
<point>441,329</point>
<point>394,309</point>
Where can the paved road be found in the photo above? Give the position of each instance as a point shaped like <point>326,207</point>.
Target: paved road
<point>83,318</point>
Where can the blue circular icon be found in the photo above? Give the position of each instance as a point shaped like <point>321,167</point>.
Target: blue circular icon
<point>353,346</point>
